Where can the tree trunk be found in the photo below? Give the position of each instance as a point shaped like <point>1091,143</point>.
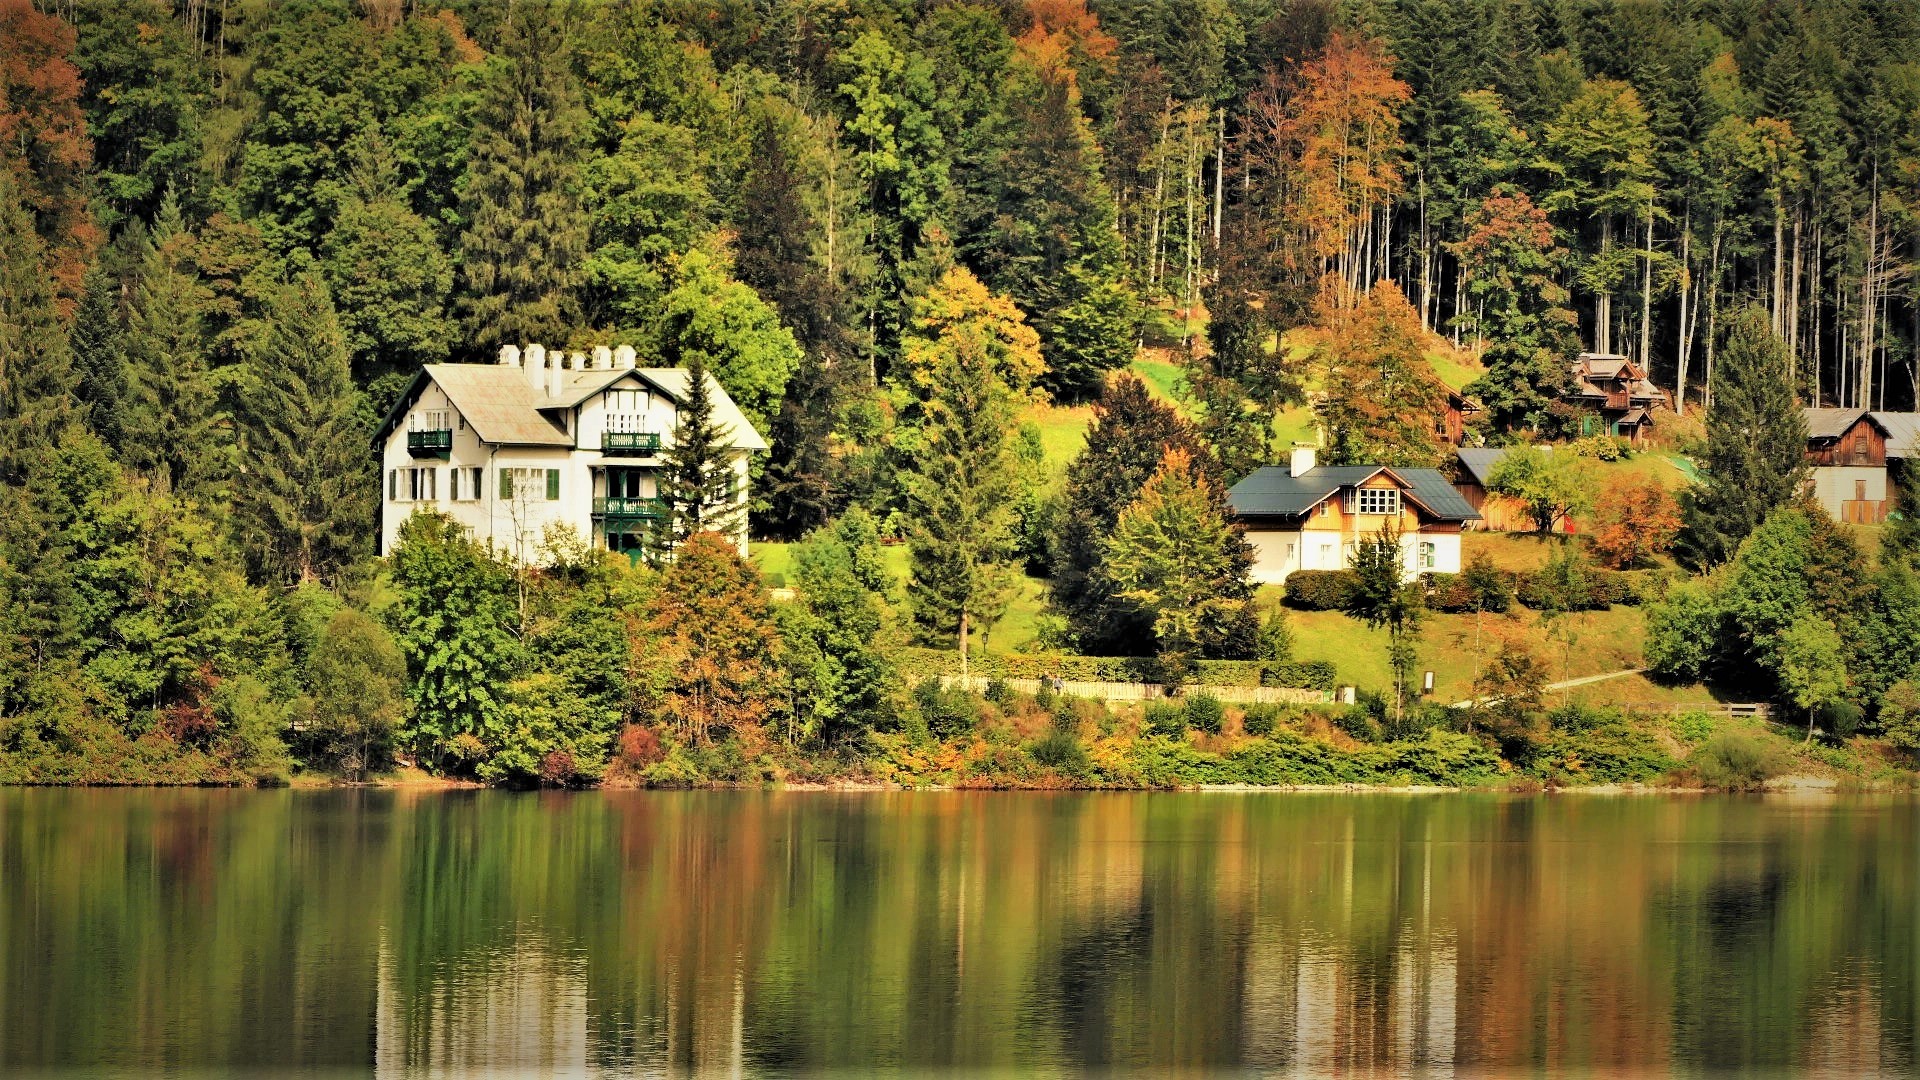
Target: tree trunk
<point>963,645</point>
<point>1646,293</point>
<point>1685,330</point>
<point>1603,304</point>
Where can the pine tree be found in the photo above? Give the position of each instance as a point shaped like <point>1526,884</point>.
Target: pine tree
<point>173,430</point>
<point>1756,444</point>
<point>969,361</point>
<point>697,482</point>
<point>525,237</point>
<point>307,497</point>
<point>36,374</point>
<point>100,357</point>
<point>1174,553</point>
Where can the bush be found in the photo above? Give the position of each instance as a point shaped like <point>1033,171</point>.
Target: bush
<point>1063,753</point>
<point>1205,713</point>
<point>1603,448</point>
<point>1900,715</point>
<point>1838,719</point>
<point>1260,718</point>
<point>1319,590</point>
<point>999,692</point>
<point>1164,718</point>
<point>1608,749</point>
<point>1366,718</point>
<point>1737,759</point>
<point>1695,727</point>
<point>1305,674</point>
<point>947,712</point>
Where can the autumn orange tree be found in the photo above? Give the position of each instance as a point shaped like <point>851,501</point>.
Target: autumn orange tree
<point>1633,523</point>
<point>1381,398</point>
<point>44,143</point>
<point>1333,131</point>
<point>709,654</point>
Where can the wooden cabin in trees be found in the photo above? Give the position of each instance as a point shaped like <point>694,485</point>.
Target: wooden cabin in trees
<point>1621,395</point>
<point>1306,516</point>
<point>544,438</point>
<point>1847,450</point>
<point>1451,424</point>
<point>1498,513</point>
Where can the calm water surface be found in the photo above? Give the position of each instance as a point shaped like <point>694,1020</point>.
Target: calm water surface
<point>409,934</point>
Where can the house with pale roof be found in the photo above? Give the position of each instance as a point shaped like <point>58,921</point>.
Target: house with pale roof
<point>1624,398</point>
<point>544,437</point>
<point>1307,516</point>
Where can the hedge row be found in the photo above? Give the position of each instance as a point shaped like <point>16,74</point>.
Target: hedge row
<point>1304,674</point>
<point>1327,590</point>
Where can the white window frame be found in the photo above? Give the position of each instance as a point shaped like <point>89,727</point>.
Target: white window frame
<point>627,409</point>
<point>1429,554</point>
<point>1373,502</point>
<point>430,420</point>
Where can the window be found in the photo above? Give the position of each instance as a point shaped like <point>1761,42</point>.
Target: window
<point>463,484</point>
<point>1860,491</point>
<point>1326,556</point>
<point>1372,500</point>
<point>1860,449</point>
<point>430,420</point>
<point>532,484</point>
<point>1427,554</point>
<point>412,485</point>
<point>627,410</point>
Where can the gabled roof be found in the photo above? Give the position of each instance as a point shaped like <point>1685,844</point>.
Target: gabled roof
<point>1273,491</point>
<point>1826,425</point>
<point>1903,432</point>
<point>501,406</point>
<point>1477,462</point>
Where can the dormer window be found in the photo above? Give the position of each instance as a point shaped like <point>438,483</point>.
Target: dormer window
<point>1372,500</point>
<point>627,410</point>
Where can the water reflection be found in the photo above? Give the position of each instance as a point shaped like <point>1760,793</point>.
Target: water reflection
<point>413,934</point>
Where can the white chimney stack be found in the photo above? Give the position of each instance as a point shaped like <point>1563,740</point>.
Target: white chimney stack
<point>556,374</point>
<point>623,357</point>
<point>536,365</point>
<point>509,356</point>
<point>602,358</point>
<point>578,361</point>
<point>1303,461</point>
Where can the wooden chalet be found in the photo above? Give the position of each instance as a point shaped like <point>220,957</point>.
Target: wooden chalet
<point>1847,449</point>
<point>1622,395</point>
<point>1498,513</point>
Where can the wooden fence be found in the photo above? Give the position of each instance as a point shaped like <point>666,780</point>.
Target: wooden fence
<point>1133,691</point>
<point>1751,710</point>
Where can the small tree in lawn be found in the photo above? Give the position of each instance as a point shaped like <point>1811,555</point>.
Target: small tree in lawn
<point>1634,523</point>
<point>1173,553</point>
<point>1554,487</point>
<point>1813,669</point>
<point>697,481</point>
<point>1382,596</point>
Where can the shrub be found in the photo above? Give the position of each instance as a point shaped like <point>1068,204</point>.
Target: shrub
<point>1069,714</point>
<point>1838,719</point>
<point>1694,727</point>
<point>1607,750</point>
<point>1900,715</point>
<point>1000,692</point>
<point>1260,718</point>
<point>1365,718</point>
<point>1319,590</point>
<point>948,712</point>
<point>1737,759</point>
<point>1205,713</point>
<point>1063,753</point>
<point>1603,447</point>
<point>1164,718</point>
<point>1304,674</point>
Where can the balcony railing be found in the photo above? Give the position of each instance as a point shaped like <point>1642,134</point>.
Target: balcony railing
<point>431,443</point>
<point>618,507</point>
<point>637,443</point>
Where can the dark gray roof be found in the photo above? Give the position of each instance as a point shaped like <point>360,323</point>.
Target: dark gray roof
<point>1478,461</point>
<point>1272,491</point>
<point>1832,423</point>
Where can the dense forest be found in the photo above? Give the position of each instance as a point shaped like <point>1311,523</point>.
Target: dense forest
<point>231,233</point>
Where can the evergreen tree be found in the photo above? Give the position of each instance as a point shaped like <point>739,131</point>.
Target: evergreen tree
<point>697,478</point>
<point>1513,265</point>
<point>36,373</point>
<point>525,237</point>
<point>387,275</point>
<point>1756,444</point>
<point>173,431</point>
<point>1175,555</point>
<point>969,362</point>
<point>305,505</point>
<point>100,357</point>
<point>841,678</point>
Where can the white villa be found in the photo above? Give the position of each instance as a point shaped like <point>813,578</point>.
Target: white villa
<point>543,436</point>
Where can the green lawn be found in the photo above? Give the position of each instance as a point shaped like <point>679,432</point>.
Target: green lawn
<point>1157,368</point>
<point>776,562</point>
<point>1063,431</point>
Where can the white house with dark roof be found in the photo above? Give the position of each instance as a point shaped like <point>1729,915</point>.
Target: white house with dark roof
<point>1307,516</point>
<point>539,438</point>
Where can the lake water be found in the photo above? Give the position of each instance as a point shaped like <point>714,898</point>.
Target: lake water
<point>447,934</point>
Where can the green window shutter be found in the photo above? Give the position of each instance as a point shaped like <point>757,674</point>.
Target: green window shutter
<point>506,483</point>
<point>393,484</point>
<point>553,485</point>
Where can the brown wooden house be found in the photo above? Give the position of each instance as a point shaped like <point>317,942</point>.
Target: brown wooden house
<point>1498,513</point>
<point>1451,424</point>
<point>1614,387</point>
<point>1847,449</point>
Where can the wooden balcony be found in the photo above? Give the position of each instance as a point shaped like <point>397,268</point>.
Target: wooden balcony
<point>630,443</point>
<point>1619,401</point>
<point>431,443</point>
<point>619,507</point>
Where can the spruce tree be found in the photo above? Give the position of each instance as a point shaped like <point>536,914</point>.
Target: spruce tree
<point>36,374</point>
<point>697,482</point>
<point>173,430</point>
<point>526,235</point>
<point>303,509</point>
<point>100,358</point>
<point>1756,443</point>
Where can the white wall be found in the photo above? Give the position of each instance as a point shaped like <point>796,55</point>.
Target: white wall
<point>1277,553</point>
<point>1834,484</point>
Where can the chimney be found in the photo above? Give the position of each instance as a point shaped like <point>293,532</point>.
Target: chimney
<point>536,366</point>
<point>509,356</point>
<point>578,361</point>
<point>1303,459</point>
<point>555,375</point>
<point>623,357</point>
<point>602,358</point>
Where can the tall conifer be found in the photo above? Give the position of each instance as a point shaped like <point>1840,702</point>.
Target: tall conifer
<point>526,235</point>
<point>697,483</point>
